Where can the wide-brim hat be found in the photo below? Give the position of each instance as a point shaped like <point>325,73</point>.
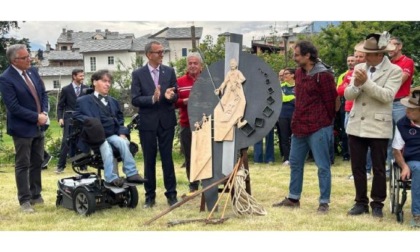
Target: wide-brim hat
<point>375,43</point>
<point>412,101</point>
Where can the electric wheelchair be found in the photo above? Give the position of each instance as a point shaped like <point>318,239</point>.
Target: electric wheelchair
<point>397,191</point>
<point>86,192</point>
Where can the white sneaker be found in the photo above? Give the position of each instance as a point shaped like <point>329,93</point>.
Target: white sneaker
<point>351,177</point>
<point>368,176</point>
<point>286,163</point>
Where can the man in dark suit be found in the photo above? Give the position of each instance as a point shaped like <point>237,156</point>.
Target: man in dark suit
<point>67,102</point>
<point>153,91</point>
<point>26,102</point>
<point>105,108</point>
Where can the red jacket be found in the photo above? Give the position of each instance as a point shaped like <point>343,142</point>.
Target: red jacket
<point>340,90</point>
<point>185,84</point>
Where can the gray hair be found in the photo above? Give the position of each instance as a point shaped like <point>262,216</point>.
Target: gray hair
<point>195,54</point>
<point>12,51</point>
<point>148,47</point>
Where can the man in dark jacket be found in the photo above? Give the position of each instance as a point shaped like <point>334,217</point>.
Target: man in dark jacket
<point>26,102</point>
<point>105,108</point>
<point>67,102</point>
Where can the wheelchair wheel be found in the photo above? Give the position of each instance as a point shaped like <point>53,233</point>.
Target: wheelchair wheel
<point>83,201</point>
<point>59,200</point>
<point>131,198</point>
<point>394,188</point>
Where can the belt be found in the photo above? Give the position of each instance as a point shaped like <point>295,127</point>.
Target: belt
<point>397,99</point>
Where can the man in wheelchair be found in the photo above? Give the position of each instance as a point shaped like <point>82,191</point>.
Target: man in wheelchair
<point>406,149</point>
<point>106,129</point>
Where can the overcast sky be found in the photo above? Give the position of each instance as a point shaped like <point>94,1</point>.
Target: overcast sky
<point>41,32</point>
<point>45,21</point>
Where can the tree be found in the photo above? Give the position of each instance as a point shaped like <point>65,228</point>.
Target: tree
<point>210,51</point>
<point>335,43</point>
<point>122,83</point>
<point>5,27</point>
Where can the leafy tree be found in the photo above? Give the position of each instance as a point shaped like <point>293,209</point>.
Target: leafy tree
<point>336,42</point>
<point>5,27</point>
<point>122,83</point>
<point>210,51</point>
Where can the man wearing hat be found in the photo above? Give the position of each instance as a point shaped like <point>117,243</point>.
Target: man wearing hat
<point>372,88</point>
<point>407,137</point>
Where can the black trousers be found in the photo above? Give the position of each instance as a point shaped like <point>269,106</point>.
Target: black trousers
<point>64,149</point>
<point>284,133</point>
<point>358,149</point>
<point>28,160</point>
<point>186,138</point>
<point>150,140</point>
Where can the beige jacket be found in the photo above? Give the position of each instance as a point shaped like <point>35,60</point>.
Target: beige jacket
<point>371,115</point>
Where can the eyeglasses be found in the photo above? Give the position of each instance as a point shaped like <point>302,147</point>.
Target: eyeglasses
<point>158,52</point>
<point>287,73</point>
<point>23,58</point>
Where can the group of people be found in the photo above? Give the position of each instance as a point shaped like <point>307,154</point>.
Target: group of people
<point>154,92</point>
<point>375,88</point>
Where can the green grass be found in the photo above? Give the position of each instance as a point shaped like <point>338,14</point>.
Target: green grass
<point>269,185</point>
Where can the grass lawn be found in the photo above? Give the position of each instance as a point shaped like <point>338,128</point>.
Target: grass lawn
<point>269,185</point>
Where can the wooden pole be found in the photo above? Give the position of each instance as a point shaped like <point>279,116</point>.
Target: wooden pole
<point>186,199</point>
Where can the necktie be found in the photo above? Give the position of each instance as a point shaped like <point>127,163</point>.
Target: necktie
<point>155,76</point>
<point>372,70</point>
<point>33,91</point>
<point>77,91</point>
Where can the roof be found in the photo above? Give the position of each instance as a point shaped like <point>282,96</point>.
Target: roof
<point>74,37</point>
<point>55,71</point>
<point>104,45</point>
<point>64,55</point>
<point>178,33</point>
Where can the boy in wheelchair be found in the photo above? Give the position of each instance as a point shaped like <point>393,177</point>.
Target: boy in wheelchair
<point>406,149</point>
<point>104,129</point>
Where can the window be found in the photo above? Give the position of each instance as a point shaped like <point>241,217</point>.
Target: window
<point>92,64</point>
<point>110,60</point>
<point>184,52</point>
<point>56,84</point>
<point>63,48</point>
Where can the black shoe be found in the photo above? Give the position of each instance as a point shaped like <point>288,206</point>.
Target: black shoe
<point>59,170</point>
<point>358,209</point>
<point>149,203</point>
<point>377,212</point>
<point>46,161</point>
<point>137,179</point>
<point>172,200</point>
<point>118,182</point>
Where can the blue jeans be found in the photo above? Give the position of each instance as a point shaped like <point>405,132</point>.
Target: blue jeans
<point>398,112</point>
<point>129,164</point>
<point>415,186</point>
<point>269,149</point>
<point>319,143</point>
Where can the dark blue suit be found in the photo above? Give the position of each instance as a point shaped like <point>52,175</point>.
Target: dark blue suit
<point>156,126</point>
<point>67,102</point>
<point>28,137</point>
<point>86,107</point>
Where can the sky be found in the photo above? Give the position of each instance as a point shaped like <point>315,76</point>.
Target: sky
<point>44,23</point>
<point>41,32</point>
